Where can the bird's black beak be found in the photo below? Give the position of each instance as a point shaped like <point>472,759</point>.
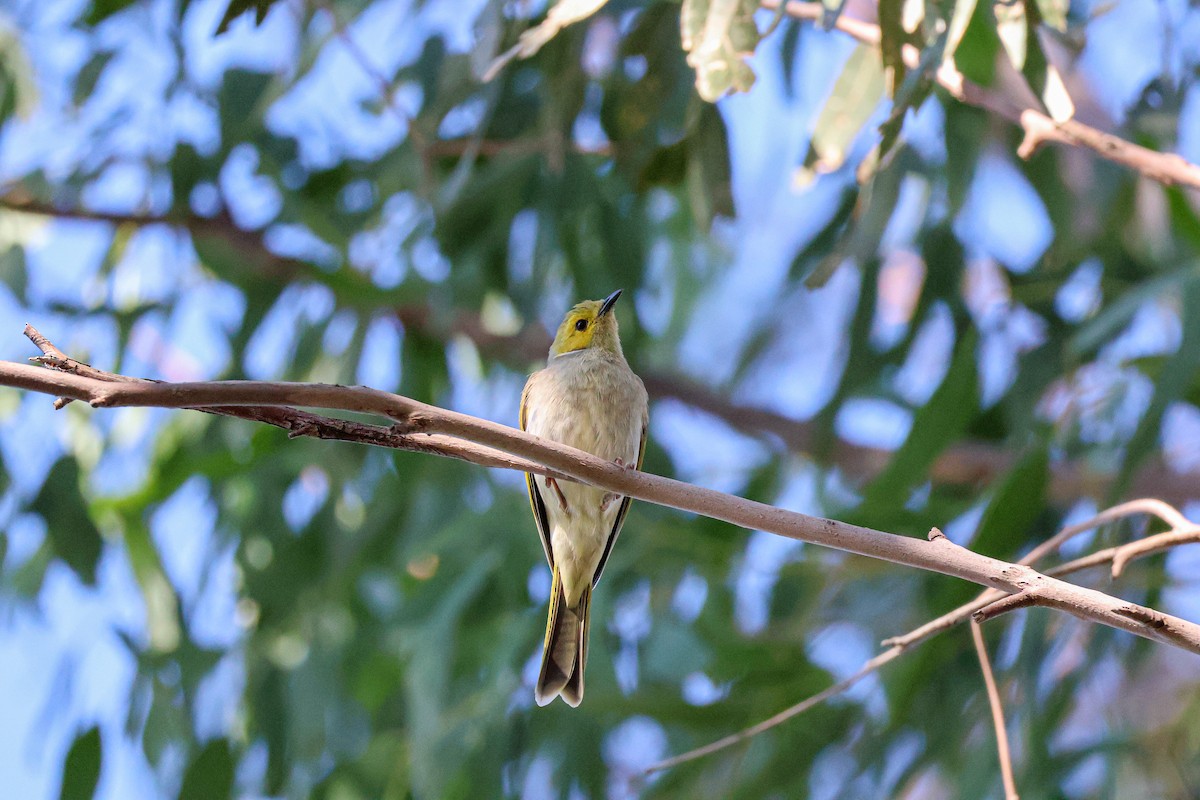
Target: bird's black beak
<point>609,302</point>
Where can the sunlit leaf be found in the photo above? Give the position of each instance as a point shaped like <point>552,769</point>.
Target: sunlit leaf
<point>718,36</point>
<point>854,99</point>
<point>561,14</point>
<point>18,90</point>
<point>976,51</point>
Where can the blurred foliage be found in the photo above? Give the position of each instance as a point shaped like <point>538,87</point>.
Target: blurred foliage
<point>389,607</point>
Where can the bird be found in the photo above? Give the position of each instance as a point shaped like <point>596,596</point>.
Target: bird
<point>586,397</point>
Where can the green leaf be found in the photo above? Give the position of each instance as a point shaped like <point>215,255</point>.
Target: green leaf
<point>1054,13</point>
<point>960,17</point>
<point>89,75</point>
<point>13,272</point>
<point>855,96</point>
<point>236,8</point>
<point>1043,77</point>
<point>710,186</point>
<point>1180,371</point>
<point>239,97</point>
<point>18,89</point>
<point>162,617</point>
<point>936,424</point>
<point>1016,506</point>
<point>210,776</point>
<point>891,42</point>
<point>101,10</point>
<point>72,533</point>
<point>718,36</point>
<point>975,55</point>
<point>81,767</point>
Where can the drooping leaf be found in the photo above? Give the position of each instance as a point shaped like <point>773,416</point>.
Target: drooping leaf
<point>855,96</point>
<point>12,271</point>
<point>69,524</point>
<point>18,89</point>
<point>718,36</point>
<point>710,184</point>
<point>237,8</point>
<point>975,53</point>
<point>100,10</point>
<point>1175,379</point>
<point>81,767</point>
<point>1016,505</point>
<point>89,76</point>
<point>210,776</point>
<point>891,43</point>
<point>935,425</point>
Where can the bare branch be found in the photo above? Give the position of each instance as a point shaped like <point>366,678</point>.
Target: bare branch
<point>1010,602</point>
<point>964,464</point>
<point>993,695</point>
<point>1166,168</point>
<point>306,424</point>
<point>780,718</point>
<point>413,417</point>
<point>897,645</point>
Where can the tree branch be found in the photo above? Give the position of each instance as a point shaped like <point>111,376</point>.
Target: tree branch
<point>413,418</point>
<point>993,695</point>
<point>898,645</point>
<point>305,424</point>
<point>1166,168</point>
<point>970,464</point>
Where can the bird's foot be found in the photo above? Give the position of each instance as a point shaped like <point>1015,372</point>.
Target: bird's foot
<point>562,500</point>
<point>607,501</point>
<point>620,462</point>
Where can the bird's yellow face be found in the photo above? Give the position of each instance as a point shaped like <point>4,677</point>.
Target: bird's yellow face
<point>590,324</point>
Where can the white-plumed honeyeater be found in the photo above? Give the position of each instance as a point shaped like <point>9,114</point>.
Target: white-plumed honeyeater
<point>586,397</point>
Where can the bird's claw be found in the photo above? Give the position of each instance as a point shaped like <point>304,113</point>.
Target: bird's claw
<point>607,501</point>
<point>562,500</point>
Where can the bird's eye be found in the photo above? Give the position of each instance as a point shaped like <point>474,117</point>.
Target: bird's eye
<point>581,325</point>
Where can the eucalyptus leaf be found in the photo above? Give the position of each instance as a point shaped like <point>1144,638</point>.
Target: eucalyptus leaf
<point>70,528</point>
<point>718,36</point>
<point>81,768</point>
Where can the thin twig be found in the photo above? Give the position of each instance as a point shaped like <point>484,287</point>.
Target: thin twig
<point>783,716</point>
<point>299,423</point>
<point>899,644</point>
<point>993,695</point>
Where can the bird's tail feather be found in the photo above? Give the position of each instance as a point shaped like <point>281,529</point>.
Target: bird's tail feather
<point>564,652</point>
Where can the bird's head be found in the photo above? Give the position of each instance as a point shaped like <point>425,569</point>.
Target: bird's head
<point>589,325</point>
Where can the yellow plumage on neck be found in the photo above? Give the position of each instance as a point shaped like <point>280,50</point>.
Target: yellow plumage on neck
<point>589,325</point>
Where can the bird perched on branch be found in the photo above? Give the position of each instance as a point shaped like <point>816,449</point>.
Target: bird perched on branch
<point>586,397</point>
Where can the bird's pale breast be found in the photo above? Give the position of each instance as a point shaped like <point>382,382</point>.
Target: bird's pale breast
<point>593,402</point>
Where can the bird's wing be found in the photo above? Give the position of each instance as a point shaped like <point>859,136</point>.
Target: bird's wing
<point>535,496</point>
<point>624,508</point>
